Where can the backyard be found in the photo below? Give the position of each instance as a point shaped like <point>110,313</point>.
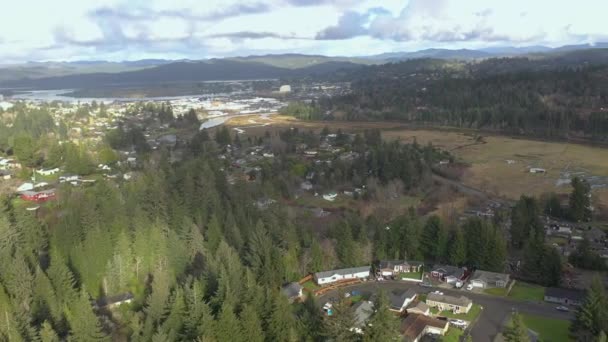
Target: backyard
<point>527,292</point>
<point>453,335</point>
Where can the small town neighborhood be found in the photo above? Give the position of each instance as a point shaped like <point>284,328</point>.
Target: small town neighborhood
<point>435,297</point>
<point>430,301</point>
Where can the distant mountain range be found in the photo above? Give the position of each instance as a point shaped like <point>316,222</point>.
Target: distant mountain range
<point>86,74</point>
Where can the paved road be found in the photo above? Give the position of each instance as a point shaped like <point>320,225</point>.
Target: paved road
<point>495,309</point>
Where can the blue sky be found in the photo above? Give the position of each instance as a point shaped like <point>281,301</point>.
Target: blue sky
<point>38,30</point>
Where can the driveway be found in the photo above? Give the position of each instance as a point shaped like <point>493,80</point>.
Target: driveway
<point>495,309</point>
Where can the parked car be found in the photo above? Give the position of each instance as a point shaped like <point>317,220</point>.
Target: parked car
<point>562,308</point>
<point>470,287</point>
<point>458,323</point>
<point>425,284</point>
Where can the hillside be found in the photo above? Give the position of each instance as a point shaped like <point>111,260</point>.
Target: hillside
<point>209,70</point>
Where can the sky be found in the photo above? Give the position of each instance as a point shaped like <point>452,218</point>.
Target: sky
<point>116,30</point>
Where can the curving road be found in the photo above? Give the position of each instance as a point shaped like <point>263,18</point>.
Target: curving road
<point>495,312</point>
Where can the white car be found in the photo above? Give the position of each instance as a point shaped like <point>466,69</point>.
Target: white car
<point>562,308</point>
<point>470,287</point>
<point>459,323</point>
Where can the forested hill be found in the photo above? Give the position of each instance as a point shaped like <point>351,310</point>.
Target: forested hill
<point>209,70</point>
<point>565,97</point>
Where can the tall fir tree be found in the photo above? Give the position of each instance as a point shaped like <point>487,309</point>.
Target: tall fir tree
<point>517,331</point>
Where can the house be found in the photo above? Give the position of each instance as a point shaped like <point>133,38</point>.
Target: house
<point>443,302</point>
<point>484,279</point>
<point>363,311</point>
<point>421,309</point>
<point>447,273</point>
<point>394,267</point>
<point>564,296</point>
<point>595,235</point>
<point>310,153</point>
<point>114,301</point>
<point>306,185</point>
<point>5,174</point>
<point>25,187</point>
<point>286,88</point>
<point>399,299</point>
<point>293,291</point>
<point>414,327</point>
<point>330,196</point>
<point>47,172</point>
<point>537,170</point>
<point>328,277</point>
<point>68,178</point>
<point>40,196</point>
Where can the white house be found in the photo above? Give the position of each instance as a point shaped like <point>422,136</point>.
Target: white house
<point>537,170</point>
<point>25,187</point>
<point>286,88</point>
<point>47,172</point>
<point>331,196</point>
<point>328,277</point>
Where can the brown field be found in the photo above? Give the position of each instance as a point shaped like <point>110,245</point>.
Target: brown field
<point>487,157</point>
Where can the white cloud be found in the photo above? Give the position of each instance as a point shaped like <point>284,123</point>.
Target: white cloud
<point>131,29</point>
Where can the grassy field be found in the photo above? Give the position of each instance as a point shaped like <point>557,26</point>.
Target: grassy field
<point>549,329</point>
<point>469,316</point>
<point>527,292</point>
<point>491,172</point>
<point>496,291</point>
<point>453,335</point>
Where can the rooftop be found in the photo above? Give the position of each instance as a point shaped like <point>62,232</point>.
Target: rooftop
<point>398,297</point>
<point>342,271</point>
<point>291,290</point>
<point>363,311</point>
<point>460,301</point>
<point>559,292</point>
<point>490,276</point>
<point>414,325</point>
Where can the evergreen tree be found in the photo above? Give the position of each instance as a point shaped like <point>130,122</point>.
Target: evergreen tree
<point>227,327</point>
<point>592,316</point>
<point>458,251</point>
<point>580,201</point>
<point>525,221</point>
<point>338,326</point>
<point>280,324</point>
<point>85,326</point>
<point>47,334</point>
<point>383,324</point>
<point>251,325</point>
<point>429,239</point>
<point>517,332</point>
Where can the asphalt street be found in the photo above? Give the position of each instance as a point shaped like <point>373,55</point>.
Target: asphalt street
<point>495,309</point>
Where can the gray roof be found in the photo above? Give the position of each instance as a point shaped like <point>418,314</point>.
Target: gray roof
<point>460,301</point>
<point>342,271</point>
<point>490,277</point>
<point>449,270</point>
<point>421,307</point>
<point>570,294</point>
<point>363,311</point>
<point>291,290</point>
<point>398,297</point>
